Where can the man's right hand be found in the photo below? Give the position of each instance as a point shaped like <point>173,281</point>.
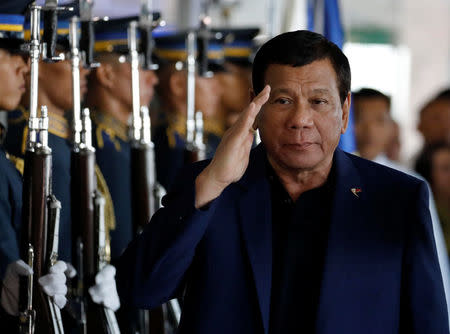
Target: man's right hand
<point>232,155</point>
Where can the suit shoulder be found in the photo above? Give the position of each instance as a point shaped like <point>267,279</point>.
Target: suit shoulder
<point>381,175</point>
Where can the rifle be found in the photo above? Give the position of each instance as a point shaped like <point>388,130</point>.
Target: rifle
<point>39,239</point>
<point>195,148</point>
<point>197,44</point>
<point>87,33</point>
<point>146,191</point>
<point>102,258</point>
<point>93,318</point>
<point>50,30</point>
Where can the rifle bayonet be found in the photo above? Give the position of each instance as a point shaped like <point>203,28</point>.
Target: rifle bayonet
<point>87,40</point>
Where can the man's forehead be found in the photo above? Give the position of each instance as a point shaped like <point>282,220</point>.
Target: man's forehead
<point>318,77</point>
<point>308,88</point>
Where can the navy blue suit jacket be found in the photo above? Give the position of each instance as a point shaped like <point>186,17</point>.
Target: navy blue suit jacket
<point>381,273</point>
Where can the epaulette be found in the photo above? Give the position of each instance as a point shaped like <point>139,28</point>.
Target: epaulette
<point>58,125</point>
<point>24,139</point>
<point>110,126</point>
<point>110,218</point>
<point>19,163</point>
<point>214,126</point>
<point>177,127</point>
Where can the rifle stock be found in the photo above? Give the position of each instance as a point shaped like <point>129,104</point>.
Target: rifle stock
<point>92,319</point>
<point>38,231</point>
<point>142,184</point>
<point>40,221</point>
<point>142,164</point>
<point>84,194</point>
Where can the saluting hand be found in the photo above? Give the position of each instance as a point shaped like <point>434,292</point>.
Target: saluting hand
<point>231,158</point>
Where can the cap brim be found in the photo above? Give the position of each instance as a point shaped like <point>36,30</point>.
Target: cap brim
<point>13,45</point>
<point>216,67</point>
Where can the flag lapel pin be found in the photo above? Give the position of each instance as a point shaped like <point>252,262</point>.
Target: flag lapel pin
<point>356,191</point>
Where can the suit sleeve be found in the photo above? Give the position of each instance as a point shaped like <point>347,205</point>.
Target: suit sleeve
<point>155,264</point>
<point>424,307</point>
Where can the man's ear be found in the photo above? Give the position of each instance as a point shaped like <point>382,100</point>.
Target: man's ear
<point>177,84</point>
<point>346,112</point>
<point>105,75</point>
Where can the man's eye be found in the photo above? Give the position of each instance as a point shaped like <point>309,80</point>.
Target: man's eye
<point>282,101</point>
<point>320,101</point>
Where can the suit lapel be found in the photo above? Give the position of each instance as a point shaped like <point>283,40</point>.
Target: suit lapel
<point>346,264</point>
<point>255,213</point>
<point>344,258</point>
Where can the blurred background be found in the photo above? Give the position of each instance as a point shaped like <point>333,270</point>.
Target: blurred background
<point>400,47</point>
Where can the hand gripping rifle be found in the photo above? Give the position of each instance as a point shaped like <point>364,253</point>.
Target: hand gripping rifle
<point>40,218</point>
<point>88,231</point>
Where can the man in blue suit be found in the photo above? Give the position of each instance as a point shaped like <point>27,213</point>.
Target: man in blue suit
<point>295,236</point>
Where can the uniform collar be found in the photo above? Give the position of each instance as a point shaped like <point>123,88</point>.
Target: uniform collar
<point>177,123</point>
<point>110,124</point>
<point>57,124</point>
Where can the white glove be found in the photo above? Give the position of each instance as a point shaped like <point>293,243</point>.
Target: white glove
<point>54,283</point>
<point>104,291</point>
<point>10,289</point>
<point>70,272</point>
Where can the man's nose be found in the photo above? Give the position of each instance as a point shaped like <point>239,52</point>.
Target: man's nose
<point>300,117</point>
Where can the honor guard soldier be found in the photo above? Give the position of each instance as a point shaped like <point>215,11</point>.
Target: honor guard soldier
<point>170,134</point>
<point>55,91</point>
<point>13,70</point>
<point>239,49</point>
<point>113,97</point>
<point>110,99</point>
